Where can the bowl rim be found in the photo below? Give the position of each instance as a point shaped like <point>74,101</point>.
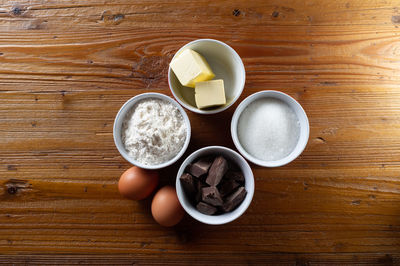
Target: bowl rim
<point>234,123</point>
<point>211,219</point>
<point>212,111</point>
<point>121,115</point>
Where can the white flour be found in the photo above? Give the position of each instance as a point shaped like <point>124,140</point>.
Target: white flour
<point>268,129</point>
<point>153,131</point>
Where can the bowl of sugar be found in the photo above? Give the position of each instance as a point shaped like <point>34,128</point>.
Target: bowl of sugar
<point>270,128</point>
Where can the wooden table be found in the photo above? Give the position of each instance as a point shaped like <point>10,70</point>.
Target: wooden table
<point>66,67</point>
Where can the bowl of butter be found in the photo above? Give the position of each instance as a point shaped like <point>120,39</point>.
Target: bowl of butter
<point>206,76</point>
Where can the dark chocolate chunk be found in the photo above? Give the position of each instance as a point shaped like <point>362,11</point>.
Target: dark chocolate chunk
<point>189,185</point>
<point>206,208</point>
<point>235,175</point>
<point>227,186</point>
<point>200,167</point>
<point>199,186</point>
<point>214,185</point>
<point>211,195</point>
<point>187,168</point>
<point>217,171</point>
<point>233,200</point>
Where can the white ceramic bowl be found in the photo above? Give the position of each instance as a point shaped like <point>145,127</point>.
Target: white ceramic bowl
<point>249,185</point>
<point>225,63</point>
<point>301,115</point>
<point>119,119</point>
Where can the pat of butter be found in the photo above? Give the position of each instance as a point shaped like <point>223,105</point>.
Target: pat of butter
<point>191,67</point>
<point>209,93</point>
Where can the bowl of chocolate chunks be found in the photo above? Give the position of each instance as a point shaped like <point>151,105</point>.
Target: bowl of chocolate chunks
<point>215,185</point>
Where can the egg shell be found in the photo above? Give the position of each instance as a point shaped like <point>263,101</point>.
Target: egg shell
<point>137,183</point>
<point>165,208</point>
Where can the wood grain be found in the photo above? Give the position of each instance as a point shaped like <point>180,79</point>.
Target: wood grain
<point>66,67</point>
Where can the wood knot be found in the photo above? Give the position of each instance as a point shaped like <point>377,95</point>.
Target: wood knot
<point>356,202</point>
<point>236,12</point>
<point>17,11</point>
<point>320,140</point>
<point>395,19</point>
<point>275,14</point>
<point>150,68</point>
<point>108,18</point>
<point>12,186</point>
<point>12,190</point>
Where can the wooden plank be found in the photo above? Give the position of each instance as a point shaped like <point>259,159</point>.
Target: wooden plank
<point>206,259</point>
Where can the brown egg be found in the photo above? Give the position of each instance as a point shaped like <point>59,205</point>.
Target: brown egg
<point>137,183</point>
<point>166,208</point>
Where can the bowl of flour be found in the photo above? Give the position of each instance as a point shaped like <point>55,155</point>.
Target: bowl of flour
<point>151,131</point>
<point>270,128</point>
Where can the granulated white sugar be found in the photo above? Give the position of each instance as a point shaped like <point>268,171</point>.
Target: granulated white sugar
<point>154,131</point>
<point>268,129</point>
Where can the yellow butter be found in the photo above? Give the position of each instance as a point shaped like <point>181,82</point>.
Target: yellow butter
<point>191,67</point>
<point>210,93</point>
